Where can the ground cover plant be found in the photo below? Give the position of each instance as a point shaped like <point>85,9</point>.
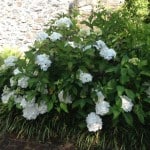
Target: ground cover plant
<point>91,85</point>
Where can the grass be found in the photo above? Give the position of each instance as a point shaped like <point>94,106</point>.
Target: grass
<point>52,127</point>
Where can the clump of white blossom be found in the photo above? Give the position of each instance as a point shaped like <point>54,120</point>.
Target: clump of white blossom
<point>65,99</point>
<point>55,36</point>
<point>10,61</point>
<point>6,95</point>
<point>41,36</point>
<point>72,44</point>
<point>104,51</point>
<point>31,109</point>
<point>107,53</point>
<point>126,103</point>
<point>84,32</point>
<point>63,22</point>
<point>100,95</point>
<point>23,82</point>
<point>94,122</point>
<point>85,77</point>
<point>102,107</point>
<point>43,61</point>
<point>87,47</point>
<point>42,107</point>
<point>12,81</point>
<point>16,71</point>
<point>100,45</point>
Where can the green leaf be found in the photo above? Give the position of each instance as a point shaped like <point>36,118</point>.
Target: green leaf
<point>124,77</point>
<point>128,118</point>
<point>112,69</point>
<point>74,90</point>
<point>50,105</point>
<point>63,106</point>
<point>131,73</point>
<point>124,60</point>
<point>146,73</point>
<point>83,93</point>
<point>120,90</point>
<point>147,100</point>
<point>130,94</point>
<point>31,94</point>
<point>80,102</point>
<point>140,113</point>
<point>116,112</point>
<point>70,65</point>
<point>45,80</point>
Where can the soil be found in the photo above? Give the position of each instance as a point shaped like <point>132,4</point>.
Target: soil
<point>9,142</point>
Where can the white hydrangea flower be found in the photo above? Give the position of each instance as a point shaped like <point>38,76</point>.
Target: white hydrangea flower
<point>35,73</point>
<point>43,61</point>
<point>18,99</point>
<point>12,82</point>
<point>6,95</point>
<point>30,112</point>
<point>23,82</point>
<point>100,45</point>
<point>3,67</point>
<point>42,108</point>
<point>85,77</point>
<point>87,47</point>
<point>10,61</point>
<point>84,32</point>
<point>63,99</point>
<point>72,44</point>
<point>63,22</point>
<point>16,71</point>
<point>94,122</point>
<point>25,103</point>
<point>41,36</point>
<point>100,95</point>
<point>102,107</point>
<point>126,103</point>
<point>107,53</point>
<point>55,36</point>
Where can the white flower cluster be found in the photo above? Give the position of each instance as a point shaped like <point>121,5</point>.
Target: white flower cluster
<point>126,103</point>
<point>16,71</point>
<point>84,32</point>
<point>93,120</point>
<point>6,95</point>
<point>63,99</point>
<point>30,109</point>
<point>12,81</point>
<point>55,36</point>
<point>41,36</point>
<point>102,108</point>
<point>23,82</point>
<point>10,61</point>
<point>3,67</point>
<point>105,52</point>
<point>85,77</point>
<point>87,47</point>
<point>43,61</point>
<point>63,22</point>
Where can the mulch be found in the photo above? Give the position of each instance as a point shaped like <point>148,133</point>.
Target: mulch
<point>9,142</point>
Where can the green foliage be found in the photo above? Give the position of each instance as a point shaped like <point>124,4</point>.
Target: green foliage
<point>69,97</point>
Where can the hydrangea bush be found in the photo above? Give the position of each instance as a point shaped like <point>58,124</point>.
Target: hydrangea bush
<point>74,71</point>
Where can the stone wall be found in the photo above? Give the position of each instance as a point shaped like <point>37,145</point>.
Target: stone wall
<point>21,20</point>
